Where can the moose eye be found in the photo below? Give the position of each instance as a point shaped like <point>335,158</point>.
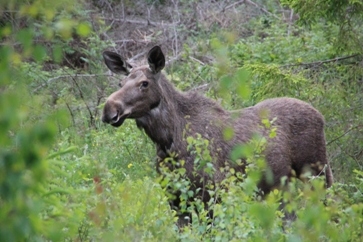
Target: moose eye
<point>144,84</point>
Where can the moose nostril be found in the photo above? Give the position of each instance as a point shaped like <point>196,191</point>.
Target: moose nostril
<point>109,118</point>
<point>114,119</point>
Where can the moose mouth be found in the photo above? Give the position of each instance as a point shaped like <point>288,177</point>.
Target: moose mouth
<point>120,121</point>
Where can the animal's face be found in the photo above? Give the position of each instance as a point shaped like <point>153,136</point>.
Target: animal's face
<point>140,90</point>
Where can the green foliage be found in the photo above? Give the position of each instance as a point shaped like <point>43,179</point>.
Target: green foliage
<point>64,176</point>
<point>24,146</point>
<point>345,14</point>
<point>27,131</point>
<point>192,74</point>
<point>241,215</point>
<point>274,44</point>
<point>332,10</point>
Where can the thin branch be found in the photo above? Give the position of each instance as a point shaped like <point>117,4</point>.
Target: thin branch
<point>232,5</point>
<point>262,9</point>
<point>131,40</point>
<point>135,57</point>
<point>70,111</point>
<point>141,22</point>
<point>290,22</point>
<point>196,60</point>
<point>67,76</point>
<point>175,41</point>
<point>323,61</point>
<point>353,157</point>
<point>320,173</point>
<point>172,60</point>
<point>201,87</point>
<point>73,78</point>
<point>346,132</point>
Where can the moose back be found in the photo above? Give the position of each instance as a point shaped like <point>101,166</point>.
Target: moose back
<point>167,116</point>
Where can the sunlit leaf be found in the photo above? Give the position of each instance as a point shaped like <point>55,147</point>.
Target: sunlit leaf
<point>5,31</point>
<point>65,27</point>
<point>83,29</point>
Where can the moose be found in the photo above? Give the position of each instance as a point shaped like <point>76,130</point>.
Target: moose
<point>167,116</point>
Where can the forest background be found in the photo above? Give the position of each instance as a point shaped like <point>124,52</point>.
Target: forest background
<point>66,176</point>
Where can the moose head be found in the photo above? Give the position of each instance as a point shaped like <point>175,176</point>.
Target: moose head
<point>140,90</point>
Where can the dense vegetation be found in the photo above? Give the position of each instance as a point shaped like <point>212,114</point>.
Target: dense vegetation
<point>65,176</point>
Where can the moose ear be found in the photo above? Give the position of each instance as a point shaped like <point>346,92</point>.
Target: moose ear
<point>115,63</point>
<point>156,59</point>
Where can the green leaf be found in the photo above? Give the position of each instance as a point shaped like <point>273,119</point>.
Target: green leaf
<point>265,215</point>
<point>64,27</point>
<point>25,37</point>
<point>83,29</point>
<point>57,53</point>
<point>242,78</point>
<point>228,133</point>
<point>39,53</point>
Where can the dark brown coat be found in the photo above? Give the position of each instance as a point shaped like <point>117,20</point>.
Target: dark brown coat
<point>164,113</point>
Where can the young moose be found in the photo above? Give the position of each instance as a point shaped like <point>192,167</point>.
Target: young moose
<point>168,116</point>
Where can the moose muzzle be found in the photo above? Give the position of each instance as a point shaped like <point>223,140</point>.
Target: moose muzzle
<point>113,114</point>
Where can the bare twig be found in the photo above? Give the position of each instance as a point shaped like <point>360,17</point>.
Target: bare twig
<point>262,9</point>
<point>346,132</point>
<point>320,173</point>
<point>290,22</point>
<point>131,40</point>
<point>196,60</point>
<point>70,111</point>
<point>232,5</point>
<point>141,22</point>
<point>135,57</point>
<point>74,79</point>
<point>353,157</point>
<point>201,87</point>
<point>176,51</point>
<point>171,60</point>
<point>322,62</point>
<point>67,76</point>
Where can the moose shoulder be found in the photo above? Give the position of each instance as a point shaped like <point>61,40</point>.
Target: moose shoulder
<point>168,115</point>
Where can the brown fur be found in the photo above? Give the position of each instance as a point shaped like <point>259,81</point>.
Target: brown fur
<point>164,113</point>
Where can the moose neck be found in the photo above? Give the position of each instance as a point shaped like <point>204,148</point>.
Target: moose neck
<point>165,122</point>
